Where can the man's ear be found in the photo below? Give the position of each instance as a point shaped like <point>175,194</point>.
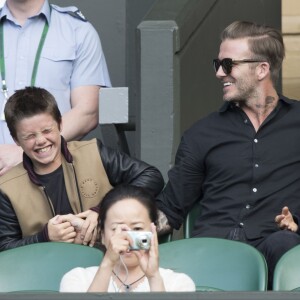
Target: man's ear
<point>263,70</point>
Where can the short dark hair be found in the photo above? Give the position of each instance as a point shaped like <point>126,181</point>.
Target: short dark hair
<point>123,192</point>
<point>265,42</point>
<point>29,102</point>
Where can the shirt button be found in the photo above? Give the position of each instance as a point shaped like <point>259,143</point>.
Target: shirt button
<point>256,165</point>
<point>247,206</point>
<point>254,190</point>
<point>255,140</point>
<point>245,121</point>
<point>242,224</point>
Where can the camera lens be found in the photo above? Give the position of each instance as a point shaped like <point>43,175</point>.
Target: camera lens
<point>143,242</point>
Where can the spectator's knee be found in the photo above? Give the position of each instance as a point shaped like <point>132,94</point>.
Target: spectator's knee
<point>283,239</point>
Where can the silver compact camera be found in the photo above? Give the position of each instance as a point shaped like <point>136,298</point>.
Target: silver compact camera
<point>141,240</point>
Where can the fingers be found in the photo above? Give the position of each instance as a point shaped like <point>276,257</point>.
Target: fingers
<point>83,215</point>
<point>64,218</point>
<point>69,241</point>
<point>117,245</point>
<point>154,239</point>
<point>3,170</point>
<point>124,227</point>
<point>77,239</point>
<point>90,222</point>
<point>285,214</point>
<point>281,221</point>
<point>94,238</point>
<point>83,231</point>
<point>88,235</point>
<point>292,227</point>
<point>121,234</point>
<point>55,220</point>
<point>285,221</point>
<point>67,234</point>
<point>122,237</point>
<point>121,246</point>
<point>279,218</point>
<point>72,226</point>
<point>60,232</point>
<point>77,223</point>
<point>69,218</point>
<point>118,229</point>
<point>87,229</point>
<point>285,211</point>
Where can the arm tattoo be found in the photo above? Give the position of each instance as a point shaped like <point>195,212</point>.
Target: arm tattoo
<point>163,226</point>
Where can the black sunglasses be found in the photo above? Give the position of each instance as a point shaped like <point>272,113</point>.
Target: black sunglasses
<point>228,63</point>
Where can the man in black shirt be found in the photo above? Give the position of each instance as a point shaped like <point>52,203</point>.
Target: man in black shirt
<point>242,163</point>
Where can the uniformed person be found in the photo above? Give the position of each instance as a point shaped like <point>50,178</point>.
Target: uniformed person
<point>55,48</point>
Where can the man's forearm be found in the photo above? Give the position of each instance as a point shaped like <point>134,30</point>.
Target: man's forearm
<point>163,225</point>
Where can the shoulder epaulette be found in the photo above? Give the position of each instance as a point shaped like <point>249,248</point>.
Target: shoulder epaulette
<point>77,14</point>
<point>70,10</point>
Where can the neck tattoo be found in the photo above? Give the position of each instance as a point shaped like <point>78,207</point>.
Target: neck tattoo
<point>128,286</point>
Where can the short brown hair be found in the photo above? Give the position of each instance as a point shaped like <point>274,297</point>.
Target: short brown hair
<point>28,102</point>
<point>265,42</point>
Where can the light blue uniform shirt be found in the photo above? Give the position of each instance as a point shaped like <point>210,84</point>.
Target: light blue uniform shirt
<point>72,56</point>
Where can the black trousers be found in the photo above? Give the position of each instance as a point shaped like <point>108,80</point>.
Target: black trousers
<point>272,247</point>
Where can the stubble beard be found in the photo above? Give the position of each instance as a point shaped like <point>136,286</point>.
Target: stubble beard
<point>244,91</point>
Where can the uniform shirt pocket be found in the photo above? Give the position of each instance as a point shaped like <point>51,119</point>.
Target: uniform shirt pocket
<point>56,66</point>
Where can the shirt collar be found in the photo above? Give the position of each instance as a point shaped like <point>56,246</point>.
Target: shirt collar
<point>5,13</point>
<point>286,100</point>
<point>227,105</point>
<point>46,11</point>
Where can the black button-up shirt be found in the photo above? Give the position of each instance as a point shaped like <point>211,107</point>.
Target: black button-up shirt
<point>241,177</point>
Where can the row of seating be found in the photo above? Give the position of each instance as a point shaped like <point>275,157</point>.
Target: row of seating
<point>213,264</point>
<point>219,264</point>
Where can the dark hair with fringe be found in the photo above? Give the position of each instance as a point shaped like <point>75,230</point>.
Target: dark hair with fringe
<point>123,192</point>
<point>28,102</point>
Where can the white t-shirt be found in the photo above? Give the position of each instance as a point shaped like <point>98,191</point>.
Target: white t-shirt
<point>79,279</point>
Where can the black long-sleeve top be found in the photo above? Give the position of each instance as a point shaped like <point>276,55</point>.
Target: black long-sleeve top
<point>241,177</point>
